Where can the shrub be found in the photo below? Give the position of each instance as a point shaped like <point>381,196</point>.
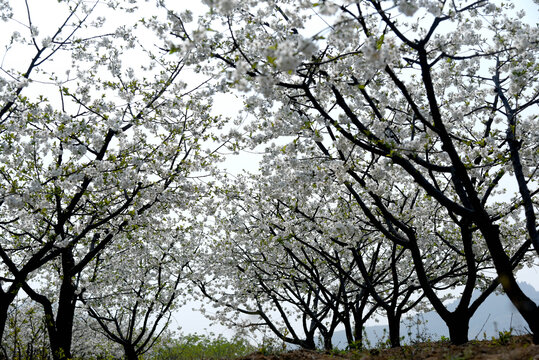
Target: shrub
<point>192,347</point>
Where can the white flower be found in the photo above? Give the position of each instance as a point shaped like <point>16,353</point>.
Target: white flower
<point>5,10</point>
<point>223,6</point>
<point>46,42</point>
<point>187,16</point>
<point>490,8</point>
<point>34,31</point>
<point>226,5</point>
<point>286,59</point>
<point>407,7</point>
<point>307,47</point>
<point>14,202</point>
<point>266,84</point>
<point>23,83</point>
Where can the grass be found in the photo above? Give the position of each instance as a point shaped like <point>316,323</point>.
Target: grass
<point>505,346</point>
<point>210,347</point>
<point>217,347</point>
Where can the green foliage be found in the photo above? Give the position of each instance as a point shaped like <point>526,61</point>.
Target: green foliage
<point>421,333</point>
<point>384,342</point>
<point>271,346</point>
<point>503,337</point>
<point>191,347</point>
<point>355,345</point>
<point>445,340</point>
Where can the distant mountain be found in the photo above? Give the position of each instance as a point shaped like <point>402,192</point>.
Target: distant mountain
<point>496,314</point>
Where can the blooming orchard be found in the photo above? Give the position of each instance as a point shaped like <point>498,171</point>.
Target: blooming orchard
<point>99,148</point>
<point>401,153</point>
<point>424,111</point>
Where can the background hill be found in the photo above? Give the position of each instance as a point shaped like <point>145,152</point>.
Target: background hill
<point>494,315</point>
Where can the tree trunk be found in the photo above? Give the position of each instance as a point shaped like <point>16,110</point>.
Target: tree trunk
<point>308,343</point>
<point>64,321</point>
<point>348,331</point>
<point>328,345</point>
<point>60,330</point>
<point>358,337</point>
<point>130,353</point>
<point>358,341</point>
<point>525,306</point>
<point>66,306</point>
<point>394,330</point>
<point>458,328</point>
<point>5,301</point>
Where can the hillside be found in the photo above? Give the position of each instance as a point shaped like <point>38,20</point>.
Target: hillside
<point>494,315</point>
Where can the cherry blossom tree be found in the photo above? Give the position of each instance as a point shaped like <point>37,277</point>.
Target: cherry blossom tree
<point>134,305</point>
<point>422,106</point>
<point>265,264</point>
<point>302,248</point>
<point>92,153</point>
<point>380,273</point>
<point>381,270</point>
<point>25,334</point>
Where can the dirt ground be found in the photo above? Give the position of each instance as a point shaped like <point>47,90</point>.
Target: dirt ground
<point>516,348</point>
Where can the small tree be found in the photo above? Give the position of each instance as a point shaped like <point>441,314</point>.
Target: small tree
<point>133,304</point>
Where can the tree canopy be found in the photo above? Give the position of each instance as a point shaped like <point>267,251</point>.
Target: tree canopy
<point>400,156</point>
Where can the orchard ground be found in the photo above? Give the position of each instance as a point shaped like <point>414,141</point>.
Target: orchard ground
<point>216,347</point>
<point>505,347</point>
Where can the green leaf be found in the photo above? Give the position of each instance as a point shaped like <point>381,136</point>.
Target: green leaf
<point>379,42</point>
<point>271,60</point>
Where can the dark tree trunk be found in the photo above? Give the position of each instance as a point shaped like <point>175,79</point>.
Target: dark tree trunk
<point>59,337</point>
<point>5,301</point>
<point>348,331</point>
<point>458,329</point>
<point>358,338</point>
<point>58,349</point>
<point>62,339</point>
<point>58,353</point>
<point>328,345</point>
<point>64,320</point>
<point>394,330</point>
<point>308,343</point>
<point>525,306</point>
<point>66,306</point>
<point>60,329</point>
<point>130,353</point>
